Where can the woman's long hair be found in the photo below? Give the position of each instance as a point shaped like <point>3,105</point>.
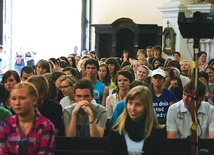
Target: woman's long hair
<point>144,94</point>
<point>52,88</point>
<point>107,79</point>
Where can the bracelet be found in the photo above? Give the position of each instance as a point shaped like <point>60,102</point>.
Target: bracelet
<point>92,121</point>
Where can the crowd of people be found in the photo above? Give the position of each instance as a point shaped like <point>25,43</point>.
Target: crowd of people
<point>137,102</point>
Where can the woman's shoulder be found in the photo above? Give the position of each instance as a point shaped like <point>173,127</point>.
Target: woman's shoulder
<point>10,121</point>
<point>114,133</point>
<point>41,120</point>
<point>158,132</point>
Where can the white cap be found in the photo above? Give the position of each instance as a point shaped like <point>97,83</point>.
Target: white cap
<point>158,72</point>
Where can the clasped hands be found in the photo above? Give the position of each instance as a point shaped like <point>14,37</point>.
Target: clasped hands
<point>83,107</point>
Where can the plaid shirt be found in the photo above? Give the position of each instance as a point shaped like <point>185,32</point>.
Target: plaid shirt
<point>40,140</point>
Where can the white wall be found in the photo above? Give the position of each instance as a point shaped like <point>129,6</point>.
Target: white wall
<point>140,11</point>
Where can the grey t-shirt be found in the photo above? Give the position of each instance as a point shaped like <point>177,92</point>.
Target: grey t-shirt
<point>82,124</point>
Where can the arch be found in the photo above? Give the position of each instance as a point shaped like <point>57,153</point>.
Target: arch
<point>125,36</point>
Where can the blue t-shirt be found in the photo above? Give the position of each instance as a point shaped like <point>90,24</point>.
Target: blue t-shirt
<point>161,103</point>
<point>98,91</point>
<point>118,109</point>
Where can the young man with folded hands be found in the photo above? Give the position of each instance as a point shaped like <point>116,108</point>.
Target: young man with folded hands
<point>85,118</point>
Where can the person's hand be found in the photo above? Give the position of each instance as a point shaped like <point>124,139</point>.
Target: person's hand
<point>83,107</point>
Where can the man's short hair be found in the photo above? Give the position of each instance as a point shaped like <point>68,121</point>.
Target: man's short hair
<point>83,84</point>
<point>27,69</point>
<point>201,52</point>
<point>204,75</point>
<point>177,53</point>
<point>201,90</point>
<point>40,82</point>
<point>157,48</point>
<point>148,47</point>
<point>92,61</point>
<point>142,51</point>
<point>173,63</point>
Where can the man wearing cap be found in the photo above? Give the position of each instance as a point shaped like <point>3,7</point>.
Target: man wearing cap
<point>163,98</point>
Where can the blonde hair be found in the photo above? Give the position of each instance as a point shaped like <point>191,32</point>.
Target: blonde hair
<point>145,95</point>
<point>189,71</point>
<point>31,89</point>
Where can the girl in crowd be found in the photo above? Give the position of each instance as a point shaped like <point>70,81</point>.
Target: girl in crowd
<point>72,62</point>
<point>142,72</point>
<point>122,80</point>
<point>210,71</point>
<point>137,131</point>
<point>27,132</point>
<point>141,53</point>
<point>203,76</point>
<point>113,66</point>
<point>102,60</point>
<point>54,86</point>
<point>65,59</point>
<point>77,59</point>
<point>186,69</point>
<point>104,77</point>
<point>169,75</point>
<point>72,71</point>
<point>42,67</point>
<point>67,88</point>
<point>126,57</point>
<point>176,87</point>
<point>156,62</point>
<point>135,65</point>
<point>57,67</point>
<point>81,67</point>
<point>9,79</point>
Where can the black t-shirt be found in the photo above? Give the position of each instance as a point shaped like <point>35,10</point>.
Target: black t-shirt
<point>53,111</point>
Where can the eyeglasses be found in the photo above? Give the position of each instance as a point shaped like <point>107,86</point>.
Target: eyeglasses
<point>70,79</point>
<point>65,86</point>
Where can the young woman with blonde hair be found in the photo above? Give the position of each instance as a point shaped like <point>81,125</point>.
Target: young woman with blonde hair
<point>137,131</point>
<point>27,132</point>
<point>186,69</point>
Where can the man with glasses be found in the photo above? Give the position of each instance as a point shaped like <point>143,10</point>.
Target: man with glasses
<point>179,116</point>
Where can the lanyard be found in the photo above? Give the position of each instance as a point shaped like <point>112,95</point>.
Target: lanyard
<point>24,145</point>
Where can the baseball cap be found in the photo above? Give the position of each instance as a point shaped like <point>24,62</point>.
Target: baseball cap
<point>158,72</point>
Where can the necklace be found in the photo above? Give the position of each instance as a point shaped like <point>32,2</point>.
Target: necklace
<point>120,97</point>
<point>24,144</point>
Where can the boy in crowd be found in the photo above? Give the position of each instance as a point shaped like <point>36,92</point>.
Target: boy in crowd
<point>84,118</point>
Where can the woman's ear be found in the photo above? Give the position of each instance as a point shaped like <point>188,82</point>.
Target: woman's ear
<point>41,95</point>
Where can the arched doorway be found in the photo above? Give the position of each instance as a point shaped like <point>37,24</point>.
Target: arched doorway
<point>125,40</point>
